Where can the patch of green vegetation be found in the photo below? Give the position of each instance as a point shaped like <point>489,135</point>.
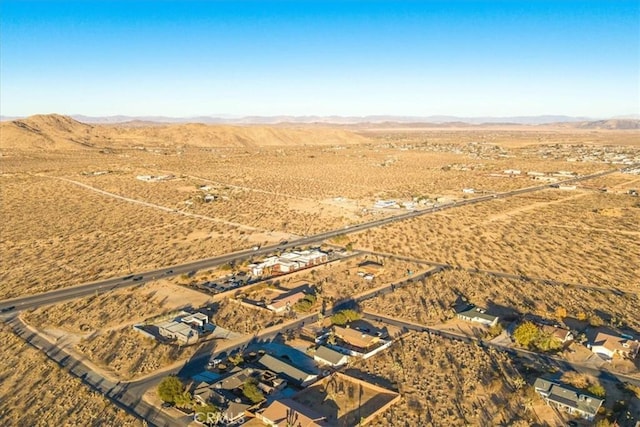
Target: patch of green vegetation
<point>305,304</point>
<point>171,390</point>
<point>343,317</point>
<point>532,337</point>
<point>251,391</point>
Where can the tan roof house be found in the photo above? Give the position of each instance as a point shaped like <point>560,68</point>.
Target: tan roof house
<point>283,304</point>
<point>288,413</point>
<point>607,345</point>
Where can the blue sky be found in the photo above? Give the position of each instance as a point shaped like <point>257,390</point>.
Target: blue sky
<point>187,58</point>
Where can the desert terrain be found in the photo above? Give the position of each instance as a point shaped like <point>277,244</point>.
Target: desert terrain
<point>59,398</point>
<point>83,203</point>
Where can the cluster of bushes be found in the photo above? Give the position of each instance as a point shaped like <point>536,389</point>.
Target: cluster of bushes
<point>171,390</point>
<point>305,304</point>
<point>584,382</point>
<point>251,391</point>
<point>343,317</point>
<point>532,337</point>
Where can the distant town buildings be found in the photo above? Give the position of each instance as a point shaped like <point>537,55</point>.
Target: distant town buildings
<point>385,204</point>
<point>153,178</point>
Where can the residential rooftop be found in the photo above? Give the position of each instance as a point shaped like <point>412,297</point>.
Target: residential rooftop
<point>281,367</point>
<point>567,396</point>
<point>286,412</point>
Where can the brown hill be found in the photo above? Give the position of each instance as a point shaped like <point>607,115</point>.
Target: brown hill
<point>55,132</point>
<point>50,132</point>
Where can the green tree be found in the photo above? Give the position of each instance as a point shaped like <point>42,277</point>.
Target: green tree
<point>547,342</point>
<point>305,303</point>
<point>526,334</point>
<point>597,390</point>
<point>251,391</point>
<point>204,409</point>
<point>170,389</point>
<point>184,400</point>
<point>236,359</point>
<point>343,317</point>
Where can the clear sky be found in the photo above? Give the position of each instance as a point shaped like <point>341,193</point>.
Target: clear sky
<point>187,58</point>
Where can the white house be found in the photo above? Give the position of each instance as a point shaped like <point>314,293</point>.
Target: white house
<point>512,172</point>
<point>179,331</point>
<point>478,315</point>
<point>327,356</point>
<point>198,320</point>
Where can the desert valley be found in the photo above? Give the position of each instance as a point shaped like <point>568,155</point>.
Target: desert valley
<point>383,274</point>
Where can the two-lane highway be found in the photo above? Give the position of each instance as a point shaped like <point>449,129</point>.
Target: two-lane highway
<point>98,287</point>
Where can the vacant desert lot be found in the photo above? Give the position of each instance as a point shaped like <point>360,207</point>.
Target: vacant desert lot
<point>340,280</point>
<point>128,354</point>
<point>445,382</point>
<point>116,309</point>
<point>57,234</point>
<point>239,318</point>
<point>35,392</point>
<point>573,236</point>
<point>430,301</point>
<point>344,400</point>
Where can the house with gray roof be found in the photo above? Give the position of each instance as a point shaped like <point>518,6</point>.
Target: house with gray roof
<point>327,356</point>
<point>181,332</point>
<point>567,398</point>
<point>290,372</point>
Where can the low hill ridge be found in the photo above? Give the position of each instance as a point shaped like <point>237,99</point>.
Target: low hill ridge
<point>53,132</point>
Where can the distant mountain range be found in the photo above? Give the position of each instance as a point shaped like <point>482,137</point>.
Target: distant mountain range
<point>341,120</point>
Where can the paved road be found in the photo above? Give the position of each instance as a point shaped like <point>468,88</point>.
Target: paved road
<point>127,395</point>
<point>33,301</point>
<point>118,393</point>
<point>198,362</point>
